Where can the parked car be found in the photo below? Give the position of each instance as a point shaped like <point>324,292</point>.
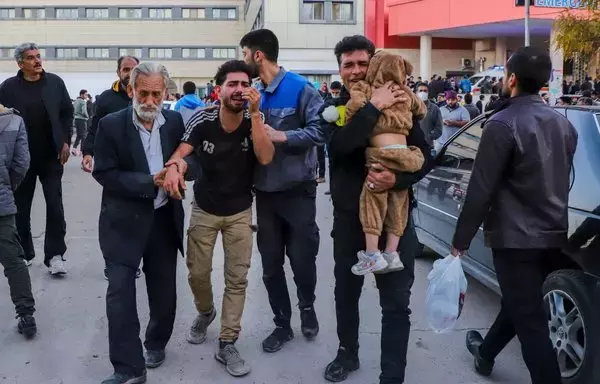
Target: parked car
<point>571,294</point>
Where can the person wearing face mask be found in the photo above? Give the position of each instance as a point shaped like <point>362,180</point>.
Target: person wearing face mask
<point>139,221</point>
<point>454,116</point>
<point>431,124</point>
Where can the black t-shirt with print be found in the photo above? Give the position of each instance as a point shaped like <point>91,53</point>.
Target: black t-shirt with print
<point>224,184</point>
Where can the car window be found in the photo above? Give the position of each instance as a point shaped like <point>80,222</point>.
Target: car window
<point>475,79</point>
<point>464,147</point>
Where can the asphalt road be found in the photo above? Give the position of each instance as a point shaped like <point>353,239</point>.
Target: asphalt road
<point>72,348</point>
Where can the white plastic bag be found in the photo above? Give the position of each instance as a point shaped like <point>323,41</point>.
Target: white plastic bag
<point>446,293</point>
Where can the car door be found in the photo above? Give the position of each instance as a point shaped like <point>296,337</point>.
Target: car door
<point>442,192</point>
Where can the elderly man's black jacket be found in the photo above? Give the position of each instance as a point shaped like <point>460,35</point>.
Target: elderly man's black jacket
<point>127,208</point>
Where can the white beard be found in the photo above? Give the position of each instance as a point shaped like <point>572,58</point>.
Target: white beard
<point>145,114</point>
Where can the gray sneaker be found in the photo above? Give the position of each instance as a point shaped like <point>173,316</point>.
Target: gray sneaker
<point>57,266</point>
<point>230,357</point>
<point>197,333</point>
<point>394,263</point>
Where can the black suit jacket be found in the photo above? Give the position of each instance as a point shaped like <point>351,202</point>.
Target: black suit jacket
<point>127,209</point>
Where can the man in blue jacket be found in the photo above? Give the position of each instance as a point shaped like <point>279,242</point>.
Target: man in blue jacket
<point>189,104</point>
<point>286,188</point>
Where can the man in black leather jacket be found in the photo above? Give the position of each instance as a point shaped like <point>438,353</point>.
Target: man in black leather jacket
<point>519,188</point>
<point>347,144</point>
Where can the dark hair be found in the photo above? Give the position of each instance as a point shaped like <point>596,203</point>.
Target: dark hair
<point>481,97</point>
<point>566,99</point>
<point>531,66</point>
<point>82,92</point>
<point>263,40</point>
<point>189,88</point>
<point>351,44</point>
<point>120,60</point>
<point>421,84</point>
<point>335,85</point>
<point>232,66</point>
<point>586,94</point>
<point>585,101</point>
<point>468,98</point>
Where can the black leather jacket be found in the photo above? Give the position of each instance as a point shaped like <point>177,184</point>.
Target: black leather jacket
<point>519,185</point>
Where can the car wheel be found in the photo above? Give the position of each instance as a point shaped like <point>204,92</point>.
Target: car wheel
<point>573,320</point>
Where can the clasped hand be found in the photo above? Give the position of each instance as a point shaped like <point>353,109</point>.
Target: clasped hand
<point>171,178</point>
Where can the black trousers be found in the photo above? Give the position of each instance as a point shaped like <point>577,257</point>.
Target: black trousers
<point>50,173</point>
<point>81,127</point>
<point>394,294</point>
<point>286,225</point>
<point>521,273</point>
<point>160,261</point>
<point>321,160</point>
<point>15,270</point>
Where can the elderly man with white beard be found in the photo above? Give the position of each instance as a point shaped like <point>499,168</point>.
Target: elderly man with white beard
<point>139,220</point>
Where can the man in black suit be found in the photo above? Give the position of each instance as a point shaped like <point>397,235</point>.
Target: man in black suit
<point>138,220</point>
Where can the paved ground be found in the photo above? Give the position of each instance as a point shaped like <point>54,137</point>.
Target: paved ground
<point>72,348</point>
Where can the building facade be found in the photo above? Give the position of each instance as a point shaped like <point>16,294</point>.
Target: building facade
<point>81,40</point>
<point>308,31</point>
<point>450,36</point>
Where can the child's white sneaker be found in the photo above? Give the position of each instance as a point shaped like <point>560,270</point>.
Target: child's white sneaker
<point>369,263</point>
<point>394,262</point>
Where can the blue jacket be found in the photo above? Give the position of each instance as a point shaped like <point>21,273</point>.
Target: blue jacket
<point>291,104</point>
<point>14,158</point>
<point>188,105</point>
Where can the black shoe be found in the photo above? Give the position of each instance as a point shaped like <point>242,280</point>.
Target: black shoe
<point>344,363</point>
<point>474,341</point>
<point>277,339</point>
<point>154,359</point>
<point>328,193</point>
<point>254,228</point>
<point>27,326</point>
<point>309,322</point>
<point>119,378</point>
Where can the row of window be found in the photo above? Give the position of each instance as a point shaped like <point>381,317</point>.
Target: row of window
<point>318,10</point>
<point>123,13</point>
<point>153,53</point>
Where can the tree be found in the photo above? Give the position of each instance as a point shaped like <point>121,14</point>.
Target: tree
<point>579,35</point>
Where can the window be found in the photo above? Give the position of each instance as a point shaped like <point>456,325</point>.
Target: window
<point>135,52</point>
<point>67,53</point>
<point>313,10</point>
<point>34,13</point>
<point>96,13</point>
<point>97,53</point>
<point>223,13</point>
<point>161,13</point>
<point>7,13</point>
<point>259,22</point>
<point>193,13</point>
<point>224,53</point>
<point>193,53</point>
<point>342,11</point>
<point>67,13</point>
<point>160,53</point>
<point>130,13</point>
<point>7,53</point>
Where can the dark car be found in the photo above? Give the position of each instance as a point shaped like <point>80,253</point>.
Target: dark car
<point>571,294</point>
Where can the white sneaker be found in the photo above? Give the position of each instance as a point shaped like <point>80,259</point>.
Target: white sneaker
<point>57,266</point>
<point>394,262</point>
<point>367,264</point>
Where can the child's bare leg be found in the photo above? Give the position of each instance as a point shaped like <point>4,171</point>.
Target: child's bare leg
<point>392,242</point>
<point>372,242</point>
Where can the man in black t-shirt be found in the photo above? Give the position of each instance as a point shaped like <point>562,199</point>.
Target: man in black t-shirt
<point>226,142</point>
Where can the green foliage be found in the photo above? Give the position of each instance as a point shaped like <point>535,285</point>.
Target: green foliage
<point>579,35</point>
